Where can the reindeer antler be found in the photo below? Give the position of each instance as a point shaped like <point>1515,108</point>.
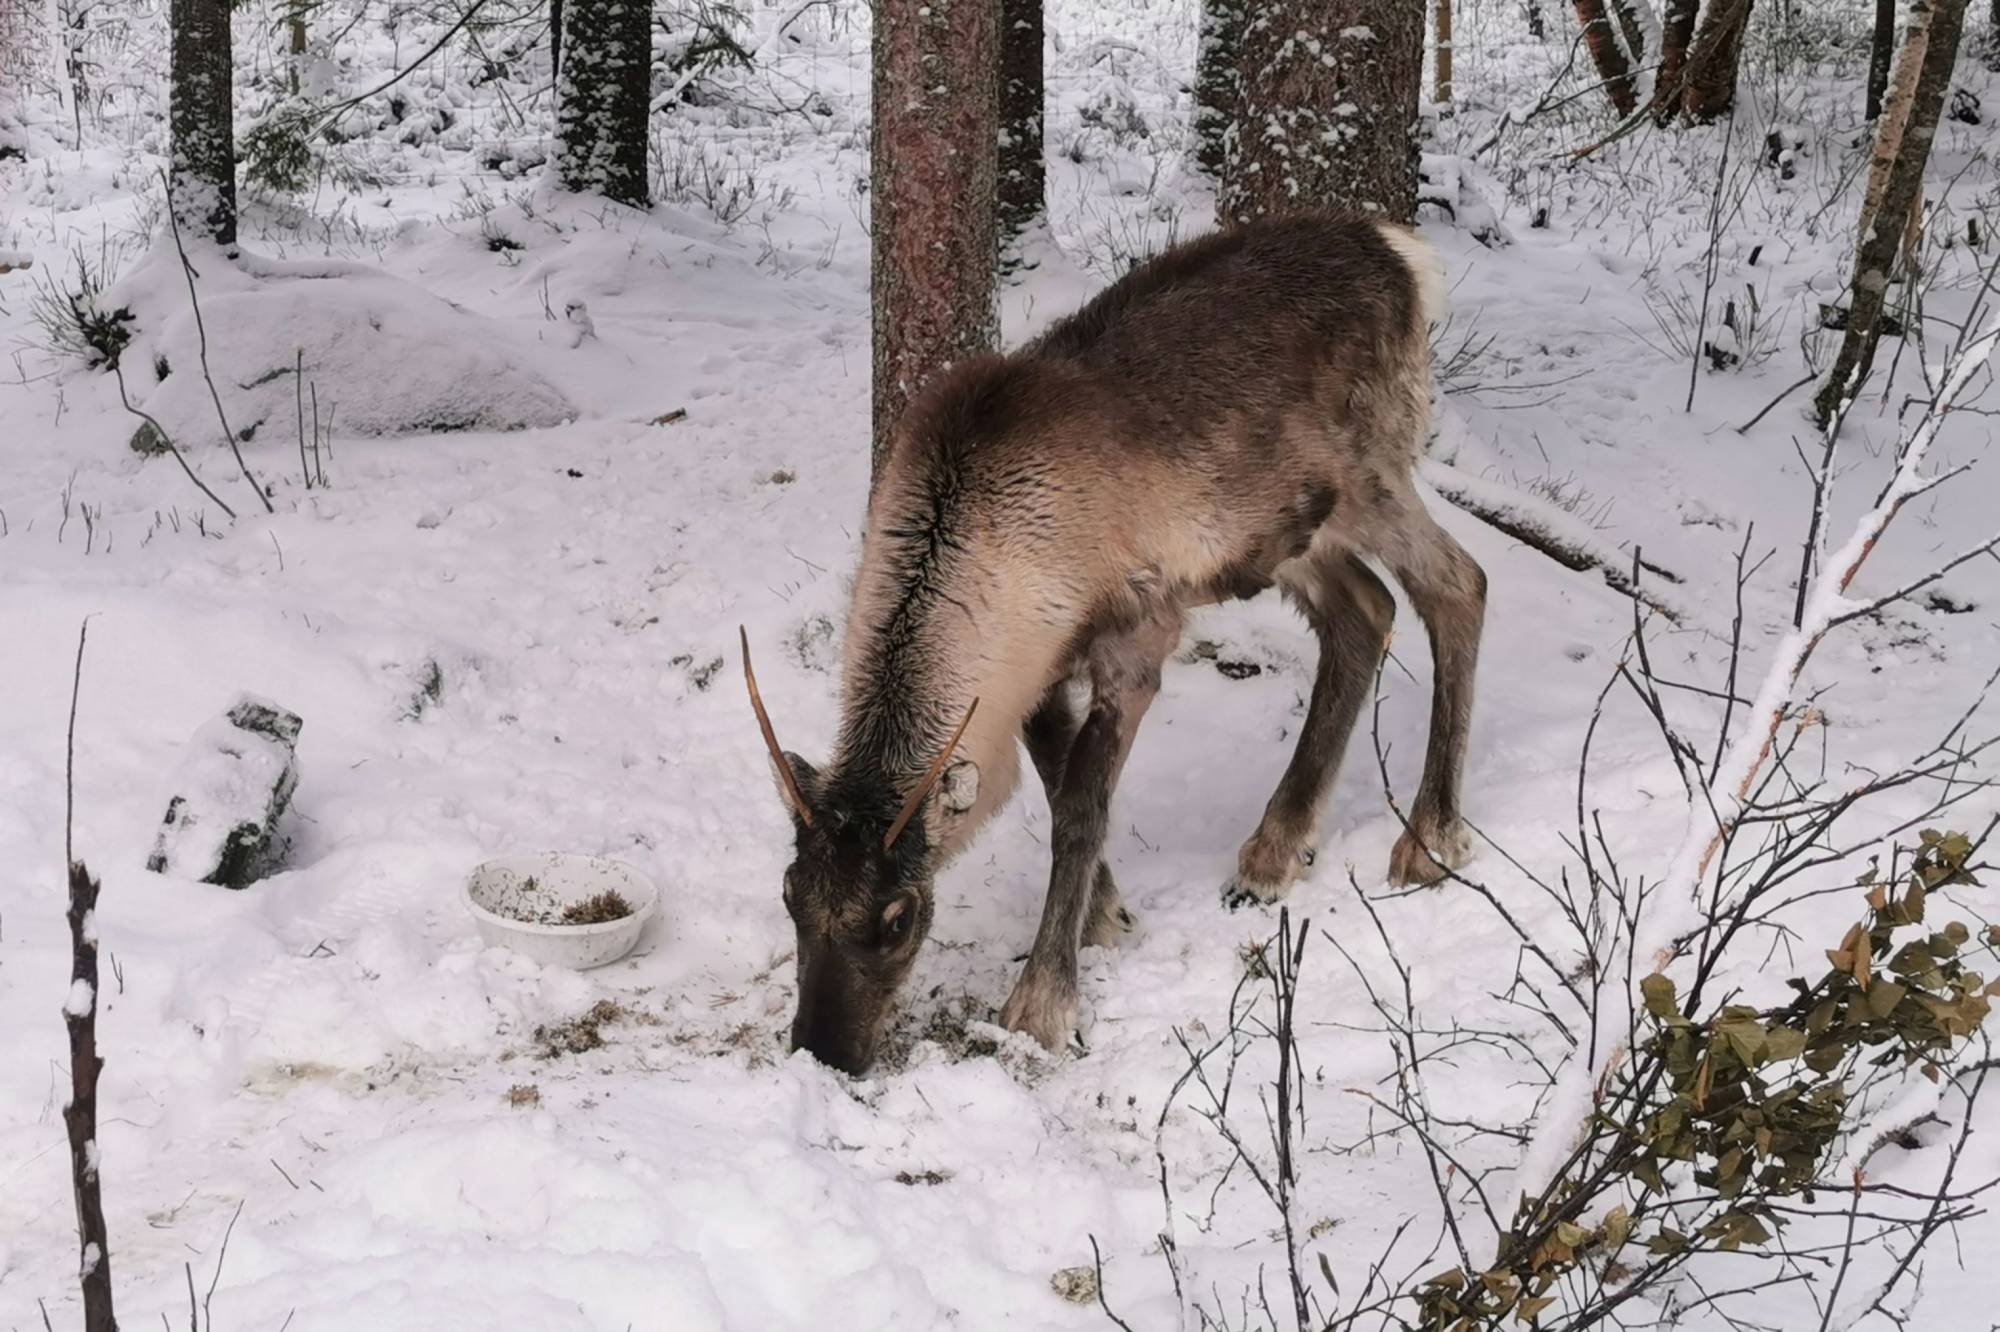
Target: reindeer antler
<point>785,773</point>
<point>930,780</point>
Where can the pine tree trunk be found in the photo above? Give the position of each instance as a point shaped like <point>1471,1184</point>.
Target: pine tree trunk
<point>1711,64</point>
<point>1023,172</point>
<point>1923,76</point>
<point>1328,112</point>
<point>933,191</point>
<point>1218,83</point>
<point>602,100</point>
<point>1676,31</point>
<point>1881,54</point>
<point>1442,92</point>
<point>1608,53</point>
<point>200,115</point>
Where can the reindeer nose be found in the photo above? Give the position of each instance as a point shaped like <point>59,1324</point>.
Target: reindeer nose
<point>839,1055</point>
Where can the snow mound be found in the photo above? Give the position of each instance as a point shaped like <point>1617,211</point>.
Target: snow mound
<point>385,357</point>
<point>230,789</point>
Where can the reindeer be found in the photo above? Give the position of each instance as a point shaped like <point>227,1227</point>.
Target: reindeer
<point>1245,410</point>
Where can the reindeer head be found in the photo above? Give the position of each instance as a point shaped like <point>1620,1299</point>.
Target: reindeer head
<point>858,890</point>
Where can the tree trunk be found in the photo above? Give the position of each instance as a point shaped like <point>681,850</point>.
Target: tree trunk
<point>1636,53</point>
<point>1328,112</point>
<point>298,48</point>
<point>1888,145</point>
<point>603,90</point>
<point>1218,83</point>
<point>21,22</point>
<point>1608,53</point>
<point>200,115</point>
<point>1903,148</point>
<point>555,38</point>
<point>1881,54</point>
<point>1023,173</point>
<point>1537,27</point>
<point>1441,94</point>
<point>1676,31</point>
<point>1711,65</point>
<point>933,189</point>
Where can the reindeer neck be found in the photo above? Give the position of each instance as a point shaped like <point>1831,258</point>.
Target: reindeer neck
<point>920,650</point>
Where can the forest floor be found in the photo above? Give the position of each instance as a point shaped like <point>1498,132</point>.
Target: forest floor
<point>525,639</point>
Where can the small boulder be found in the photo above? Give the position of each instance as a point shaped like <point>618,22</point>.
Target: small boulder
<point>230,790</point>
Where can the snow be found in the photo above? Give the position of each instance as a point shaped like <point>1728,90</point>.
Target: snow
<point>334,1051</point>
<point>81,996</point>
<point>382,356</point>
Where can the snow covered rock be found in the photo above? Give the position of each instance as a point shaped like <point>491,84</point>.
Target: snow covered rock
<point>229,792</point>
<point>384,356</point>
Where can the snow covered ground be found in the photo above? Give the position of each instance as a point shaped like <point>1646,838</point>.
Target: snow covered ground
<point>524,639</point>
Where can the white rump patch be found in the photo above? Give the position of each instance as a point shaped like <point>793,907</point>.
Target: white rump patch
<point>1425,266</point>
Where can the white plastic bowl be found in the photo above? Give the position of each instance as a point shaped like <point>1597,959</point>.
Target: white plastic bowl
<point>517,902</point>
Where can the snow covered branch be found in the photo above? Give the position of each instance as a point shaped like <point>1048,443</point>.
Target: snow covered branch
<point>1717,811</point>
<point>1549,530</point>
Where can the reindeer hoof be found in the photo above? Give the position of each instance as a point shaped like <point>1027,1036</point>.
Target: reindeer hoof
<point>1045,1011</point>
<point>1241,892</point>
<point>1265,873</point>
<point>1428,859</point>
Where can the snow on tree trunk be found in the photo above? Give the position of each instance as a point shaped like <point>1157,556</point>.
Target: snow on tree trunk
<point>1639,26</point>
<point>1711,64</point>
<point>1328,112</point>
<point>1023,172</point>
<point>201,117</point>
<point>230,790</point>
<point>1217,81</point>
<point>1676,31</point>
<point>933,193</point>
<point>1608,53</point>
<point>1895,187</point>
<point>1881,54</point>
<point>604,88</point>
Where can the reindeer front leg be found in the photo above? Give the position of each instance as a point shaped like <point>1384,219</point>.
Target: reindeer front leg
<point>1124,679</point>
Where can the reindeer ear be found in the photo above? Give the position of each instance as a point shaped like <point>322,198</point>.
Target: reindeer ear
<point>806,775</point>
<point>958,789</point>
